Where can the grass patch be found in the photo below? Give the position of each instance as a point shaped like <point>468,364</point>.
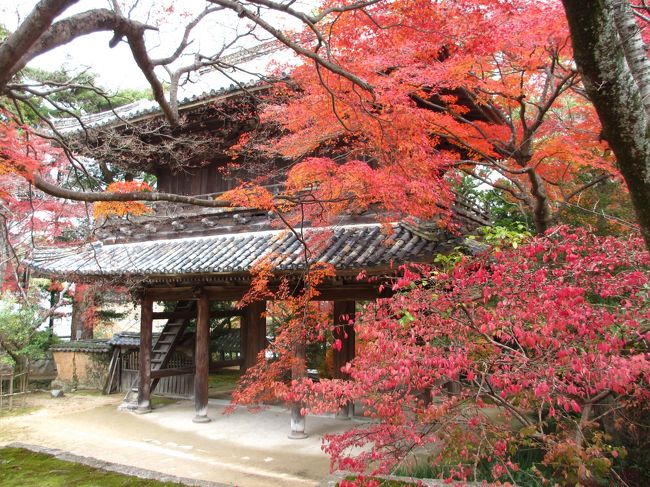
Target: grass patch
<point>19,467</point>
<point>159,401</point>
<point>223,380</point>
<point>19,411</point>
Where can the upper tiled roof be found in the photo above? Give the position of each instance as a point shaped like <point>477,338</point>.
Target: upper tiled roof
<point>346,247</point>
<point>144,108</point>
<point>209,85</point>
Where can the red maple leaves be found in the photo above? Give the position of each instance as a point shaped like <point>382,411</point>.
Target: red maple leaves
<point>476,87</point>
<point>531,342</point>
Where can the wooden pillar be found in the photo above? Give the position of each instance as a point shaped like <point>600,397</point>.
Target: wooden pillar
<point>298,371</point>
<point>253,333</point>
<point>344,331</point>
<point>144,383</point>
<point>202,359</point>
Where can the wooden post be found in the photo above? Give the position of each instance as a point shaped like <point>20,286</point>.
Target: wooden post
<point>298,371</point>
<point>253,333</point>
<point>144,384</point>
<point>344,331</point>
<point>202,359</point>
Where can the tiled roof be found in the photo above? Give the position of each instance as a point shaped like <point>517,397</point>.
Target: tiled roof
<point>209,85</point>
<point>142,108</point>
<point>91,346</point>
<point>128,339</point>
<point>348,247</point>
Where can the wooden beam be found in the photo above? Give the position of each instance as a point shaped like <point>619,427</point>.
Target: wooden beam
<point>253,333</point>
<point>158,374</point>
<point>234,292</point>
<point>344,312</point>
<point>170,315</point>
<point>183,293</point>
<point>144,385</point>
<point>298,371</point>
<point>202,359</point>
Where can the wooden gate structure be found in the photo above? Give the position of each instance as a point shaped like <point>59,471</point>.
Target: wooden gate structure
<point>200,255</point>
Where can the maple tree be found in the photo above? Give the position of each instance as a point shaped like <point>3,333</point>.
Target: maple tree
<point>411,95</point>
<point>484,88</point>
<point>28,218</point>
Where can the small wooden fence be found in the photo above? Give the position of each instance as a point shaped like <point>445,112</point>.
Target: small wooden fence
<point>13,386</point>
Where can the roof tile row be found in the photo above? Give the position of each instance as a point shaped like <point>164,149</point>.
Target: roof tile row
<point>345,247</point>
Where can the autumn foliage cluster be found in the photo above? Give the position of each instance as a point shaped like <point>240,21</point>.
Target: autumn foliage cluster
<point>542,347</point>
<point>122,208</point>
<point>27,217</point>
<point>480,87</point>
<point>535,348</point>
<point>303,321</point>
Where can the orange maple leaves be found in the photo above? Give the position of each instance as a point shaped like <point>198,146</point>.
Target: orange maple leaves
<point>123,208</point>
<point>479,87</point>
<point>20,154</point>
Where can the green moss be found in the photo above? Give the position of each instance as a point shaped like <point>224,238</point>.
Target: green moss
<point>19,467</point>
<point>224,380</point>
<point>159,401</point>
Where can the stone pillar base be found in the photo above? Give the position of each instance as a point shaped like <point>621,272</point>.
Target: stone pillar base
<point>201,419</point>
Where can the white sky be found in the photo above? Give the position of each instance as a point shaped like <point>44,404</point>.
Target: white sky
<point>116,67</point>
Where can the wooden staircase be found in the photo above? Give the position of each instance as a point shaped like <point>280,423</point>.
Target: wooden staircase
<point>161,352</point>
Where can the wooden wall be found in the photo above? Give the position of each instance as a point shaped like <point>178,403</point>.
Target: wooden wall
<point>173,386</point>
<point>202,180</point>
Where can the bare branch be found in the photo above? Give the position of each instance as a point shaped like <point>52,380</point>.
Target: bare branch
<point>70,28</point>
<point>335,68</point>
<point>185,42</point>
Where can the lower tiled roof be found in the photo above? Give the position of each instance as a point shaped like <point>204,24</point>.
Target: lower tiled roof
<point>89,346</point>
<point>128,339</point>
<point>346,247</point>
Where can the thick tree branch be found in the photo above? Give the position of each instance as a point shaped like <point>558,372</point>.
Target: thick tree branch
<point>91,197</point>
<point>29,31</point>
<point>142,59</point>
<point>75,26</point>
<point>636,51</point>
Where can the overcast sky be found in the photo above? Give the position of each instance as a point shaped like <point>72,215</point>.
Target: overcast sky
<point>115,67</point>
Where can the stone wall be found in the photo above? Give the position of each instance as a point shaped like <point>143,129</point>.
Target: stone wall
<point>81,369</point>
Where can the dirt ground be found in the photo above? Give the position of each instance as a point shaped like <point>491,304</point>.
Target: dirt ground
<point>242,449</point>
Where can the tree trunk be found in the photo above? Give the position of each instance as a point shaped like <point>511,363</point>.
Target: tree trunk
<point>4,253</point>
<point>616,94</point>
<point>80,329</point>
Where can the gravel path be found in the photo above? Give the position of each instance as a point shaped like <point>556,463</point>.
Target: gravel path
<point>241,449</point>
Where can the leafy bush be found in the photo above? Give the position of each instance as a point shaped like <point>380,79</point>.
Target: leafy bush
<point>20,337</point>
<point>521,350</point>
